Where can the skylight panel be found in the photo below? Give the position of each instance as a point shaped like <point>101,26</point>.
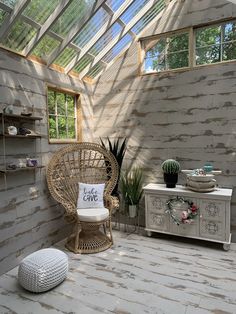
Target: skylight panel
<point>10,3</point>
<point>90,29</point>
<point>82,64</point>
<point>135,7</point>
<point>150,15</point>
<point>45,47</point>
<point>95,71</point>
<point>3,15</point>
<point>115,4</point>
<point>118,48</point>
<point>20,35</point>
<point>75,13</point>
<point>65,57</point>
<point>106,38</point>
<point>40,10</point>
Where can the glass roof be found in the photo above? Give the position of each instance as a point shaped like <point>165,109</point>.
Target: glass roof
<point>80,36</point>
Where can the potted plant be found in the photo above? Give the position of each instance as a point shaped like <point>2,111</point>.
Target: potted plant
<point>118,149</point>
<point>170,168</point>
<point>131,188</point>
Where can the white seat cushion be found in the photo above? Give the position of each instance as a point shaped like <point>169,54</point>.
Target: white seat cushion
<point>93,214</point>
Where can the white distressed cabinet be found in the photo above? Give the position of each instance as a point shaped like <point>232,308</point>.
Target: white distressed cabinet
<point>212,222</point>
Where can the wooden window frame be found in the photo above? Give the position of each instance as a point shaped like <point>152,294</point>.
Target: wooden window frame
<point>192,48</point>
<point>78,116</point>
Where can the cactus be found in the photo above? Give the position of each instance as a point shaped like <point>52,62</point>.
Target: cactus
<point>170,166</point>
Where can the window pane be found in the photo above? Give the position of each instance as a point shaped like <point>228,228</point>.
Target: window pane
<point>52,127</point>
<point>229,31</point>
<point>70,106</point>
<point>229,51</point>
<point>3,15</point>
<point>74,13</point>
<point>62,128</point>
<point>40,10</point>
<point>177,43</point>
<point>207,36</point>
<point>177,60</point>
<point>61,110</point>
<point>20,35</point>
<point>62,115</point>
<point>10,3</point>
<point>51,102</point>
<point>71,128</point>
<point>46,45</point>
<point>208,55</point>
<point>168,53</point>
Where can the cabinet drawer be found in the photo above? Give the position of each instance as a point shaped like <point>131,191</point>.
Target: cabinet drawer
<point>212,210</point>
<point>155,203</point>
<point>212,229</point>
<point>185,229</point>
<point>156,221</point>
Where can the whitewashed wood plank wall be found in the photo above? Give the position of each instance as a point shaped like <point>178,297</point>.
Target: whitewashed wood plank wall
<point>188,115</point>
<point>29,218</point>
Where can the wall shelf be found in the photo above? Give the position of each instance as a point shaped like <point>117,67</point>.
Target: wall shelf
<point>9,141</point>
<point>20,169</point>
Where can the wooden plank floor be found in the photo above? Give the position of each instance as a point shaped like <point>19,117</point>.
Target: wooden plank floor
<point>138,275</point>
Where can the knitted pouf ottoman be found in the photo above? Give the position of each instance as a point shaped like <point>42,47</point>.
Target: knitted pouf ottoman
<point>43,270</point>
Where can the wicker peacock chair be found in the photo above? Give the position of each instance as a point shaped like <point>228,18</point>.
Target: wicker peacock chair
<point>86,163</point>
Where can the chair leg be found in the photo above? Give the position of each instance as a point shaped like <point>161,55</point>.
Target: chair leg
<point>104,229</point>
<point>77,232</point>
<point>110,229</point>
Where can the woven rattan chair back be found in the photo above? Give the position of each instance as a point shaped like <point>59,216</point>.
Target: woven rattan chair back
<point>82,162</point>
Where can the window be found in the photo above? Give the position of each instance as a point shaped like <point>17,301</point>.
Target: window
<point>208,45</point>
<point>167,53</point>
<point>62,116</point>
<point>215,43</point>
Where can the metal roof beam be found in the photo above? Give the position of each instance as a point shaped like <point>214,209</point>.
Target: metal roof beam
<point>50,21</point>
<point>99,34</point>
<point>127,28</point>
<point>12,18</point>
<point>74,31</point>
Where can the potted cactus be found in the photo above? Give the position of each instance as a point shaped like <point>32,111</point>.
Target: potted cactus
<point>170,168</point>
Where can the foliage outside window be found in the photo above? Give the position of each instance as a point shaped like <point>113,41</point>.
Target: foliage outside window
<point>62,120</point>
<point>216,43</point>
<point>211,44</point>
<point>168,53</point>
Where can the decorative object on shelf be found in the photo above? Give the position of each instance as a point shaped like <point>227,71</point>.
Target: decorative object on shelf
<point>12,130</point>
<point>25,112</point>
<point>131,188</point>
<point>201,180</point>
<point>11,166</point>
<point>8,109</point>
<point>170,168</point>
<point>24,131</point>
<point>187,215</point>
<point>31,162</point>
<point>21,163</point>
<point>208,167</point>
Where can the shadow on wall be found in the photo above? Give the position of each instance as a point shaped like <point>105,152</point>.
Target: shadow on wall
<point>187,115</point>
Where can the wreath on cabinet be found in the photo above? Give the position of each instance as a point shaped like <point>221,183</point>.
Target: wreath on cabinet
<point>187,216</point>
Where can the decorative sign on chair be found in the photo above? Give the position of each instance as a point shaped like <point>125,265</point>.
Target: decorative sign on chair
<point>90,195</point>
<point>187,215</point>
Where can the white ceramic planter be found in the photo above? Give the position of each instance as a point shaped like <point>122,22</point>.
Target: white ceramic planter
<point>132,211</point>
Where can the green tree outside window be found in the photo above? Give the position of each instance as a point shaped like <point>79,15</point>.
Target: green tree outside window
<point>61,115</point>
